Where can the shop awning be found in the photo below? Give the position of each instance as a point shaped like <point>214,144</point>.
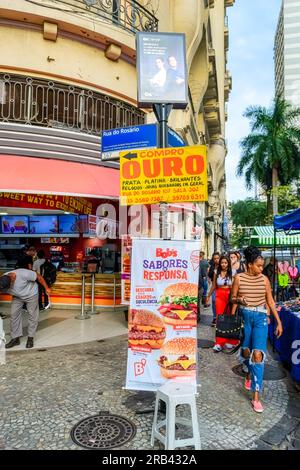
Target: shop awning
<point>289,221</point>
<point>264,236</point>
<point>47,176</point>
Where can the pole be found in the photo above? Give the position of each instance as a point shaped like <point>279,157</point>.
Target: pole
<point>273,284</point>
<point>92,311</point>
<point>162,112</point>
<point>83,315</point>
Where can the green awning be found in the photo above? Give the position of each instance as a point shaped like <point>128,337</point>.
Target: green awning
<point>264,236</point>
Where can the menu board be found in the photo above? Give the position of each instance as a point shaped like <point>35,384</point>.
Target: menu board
<point>14,224</point>
<point>162,319</point>
<point>43,224</point>
<point>72,223</point>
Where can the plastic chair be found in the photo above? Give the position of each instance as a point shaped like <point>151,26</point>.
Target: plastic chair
<point>174,394</point>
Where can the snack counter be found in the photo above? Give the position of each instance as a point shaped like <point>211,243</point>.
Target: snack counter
<point>66,292</point>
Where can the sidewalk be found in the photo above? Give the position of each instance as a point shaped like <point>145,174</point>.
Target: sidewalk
<point>43,394</point>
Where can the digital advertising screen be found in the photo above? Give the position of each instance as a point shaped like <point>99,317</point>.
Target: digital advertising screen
<point>162,70</point>
<point>43,224</point>
<point>73,223</point>
<point>14,224</point>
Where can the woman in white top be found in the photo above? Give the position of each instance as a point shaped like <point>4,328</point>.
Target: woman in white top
<point>222,283</point>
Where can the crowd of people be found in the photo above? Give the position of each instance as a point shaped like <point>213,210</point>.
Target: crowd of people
<point>28,286</point>
<point>244,285</point>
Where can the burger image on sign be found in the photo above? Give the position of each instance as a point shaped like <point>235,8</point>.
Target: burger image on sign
<point>179,304</point>
<point>178,358</point>
<point>145,329</point>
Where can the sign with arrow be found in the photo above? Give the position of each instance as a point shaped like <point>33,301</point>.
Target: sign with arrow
<point>152,176</point>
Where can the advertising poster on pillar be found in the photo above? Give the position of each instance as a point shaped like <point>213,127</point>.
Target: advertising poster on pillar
<point>162,320</point>
<point>126,248</point>
<point>162,70</point>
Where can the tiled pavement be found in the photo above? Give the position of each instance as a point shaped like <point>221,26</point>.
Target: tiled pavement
<point>44,393</point>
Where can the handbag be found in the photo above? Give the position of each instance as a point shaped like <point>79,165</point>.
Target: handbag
<point>229,326</point>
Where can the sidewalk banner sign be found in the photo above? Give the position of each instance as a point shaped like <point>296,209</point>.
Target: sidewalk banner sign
<point>162,320</point>
<point>126,247</point>
<point>176,174</point>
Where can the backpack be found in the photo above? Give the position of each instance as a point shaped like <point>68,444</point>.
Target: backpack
<point>48,271</point>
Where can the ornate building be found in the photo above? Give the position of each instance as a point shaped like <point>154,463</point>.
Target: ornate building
<point>68,72</point>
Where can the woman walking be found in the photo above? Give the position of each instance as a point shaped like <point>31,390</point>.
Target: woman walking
<point>214,263</point>
<point>252,291</point>
<point>222,284</point>
<point>236,263</point>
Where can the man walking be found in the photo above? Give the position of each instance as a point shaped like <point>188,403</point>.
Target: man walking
<point>21,284</point>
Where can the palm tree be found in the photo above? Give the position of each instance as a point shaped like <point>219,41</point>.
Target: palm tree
<point>271,152</point>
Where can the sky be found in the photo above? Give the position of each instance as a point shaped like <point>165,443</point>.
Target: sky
<point>252,26</point>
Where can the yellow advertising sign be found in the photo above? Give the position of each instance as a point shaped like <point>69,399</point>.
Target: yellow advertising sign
<point>173,174</point>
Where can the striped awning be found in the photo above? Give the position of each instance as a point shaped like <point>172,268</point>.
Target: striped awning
<point>264,236</point>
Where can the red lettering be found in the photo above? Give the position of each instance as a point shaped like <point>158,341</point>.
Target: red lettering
<point>172,166</point>
<point>131,170</point>
<point>151,168</point>
<point>194,164</point>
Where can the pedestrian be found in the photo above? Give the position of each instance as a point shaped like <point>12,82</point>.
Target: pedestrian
<point>222,283</point>
<point>204,267</point>
<point>214,263</point>
<point>252,291</point>
<point>37,266</point>
<point>28,250</point>
<point>21,284</point>
<point>236,263</point>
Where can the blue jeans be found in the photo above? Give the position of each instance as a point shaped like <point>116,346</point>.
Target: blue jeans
<point>205,286</point>
<point>213,304</point>
<point>256,334</point>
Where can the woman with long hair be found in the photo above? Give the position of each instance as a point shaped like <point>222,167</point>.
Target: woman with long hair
<point>222,283</point>
<point>252,291</point>
<point>236,262</point>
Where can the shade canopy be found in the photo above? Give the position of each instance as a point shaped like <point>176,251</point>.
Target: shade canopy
<point>264,237</point>
<point>289,221</point>
<point>48,176</point>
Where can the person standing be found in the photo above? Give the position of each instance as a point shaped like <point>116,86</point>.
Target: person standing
<point>204,266</point>
<point>211,273</point>
<point>252,291</point>
<point>37,265</point>
<point>236,262</point>
<point>21,284</point>
<point>222,284</point>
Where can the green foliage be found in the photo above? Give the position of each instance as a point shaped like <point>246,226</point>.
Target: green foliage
<point>274,143</point>
<point>248,212</point>
<point>288,197</point>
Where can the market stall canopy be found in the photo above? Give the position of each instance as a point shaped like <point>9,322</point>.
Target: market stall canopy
<point>289,221</point>
<point>264,236</point>
<point>48,176</point>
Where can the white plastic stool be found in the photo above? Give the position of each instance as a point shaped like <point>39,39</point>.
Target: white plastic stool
<point>174,394</point>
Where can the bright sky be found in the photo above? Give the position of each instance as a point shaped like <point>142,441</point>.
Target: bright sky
<point>252,26</point>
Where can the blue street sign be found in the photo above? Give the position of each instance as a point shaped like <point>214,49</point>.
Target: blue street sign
<point>135,137</point>
<point>126,138</point>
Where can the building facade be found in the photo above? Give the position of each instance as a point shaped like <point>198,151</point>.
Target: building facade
<point>287,52</point>
<point>68,72</point>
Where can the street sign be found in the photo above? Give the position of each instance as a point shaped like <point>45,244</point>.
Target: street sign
<point>164,175</point>
<point>135,137</point>
<point>125,138</point>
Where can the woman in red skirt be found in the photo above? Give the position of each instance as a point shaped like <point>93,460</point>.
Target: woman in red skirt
<point>222,283</point>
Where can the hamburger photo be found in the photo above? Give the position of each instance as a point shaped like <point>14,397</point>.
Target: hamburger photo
<point>145,329</point>
<point>179,304</point>
<point>178,358</point>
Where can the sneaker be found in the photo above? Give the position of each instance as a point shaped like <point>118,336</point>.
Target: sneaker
<point>247,384</point>
<point>213,323</point>
<point>228,346</point>
<point>29,343</point>
<point>257,406</point>
<point>47,306</point>
<point>217,348</point>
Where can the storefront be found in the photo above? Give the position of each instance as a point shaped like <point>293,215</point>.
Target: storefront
<point>55,206</point>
